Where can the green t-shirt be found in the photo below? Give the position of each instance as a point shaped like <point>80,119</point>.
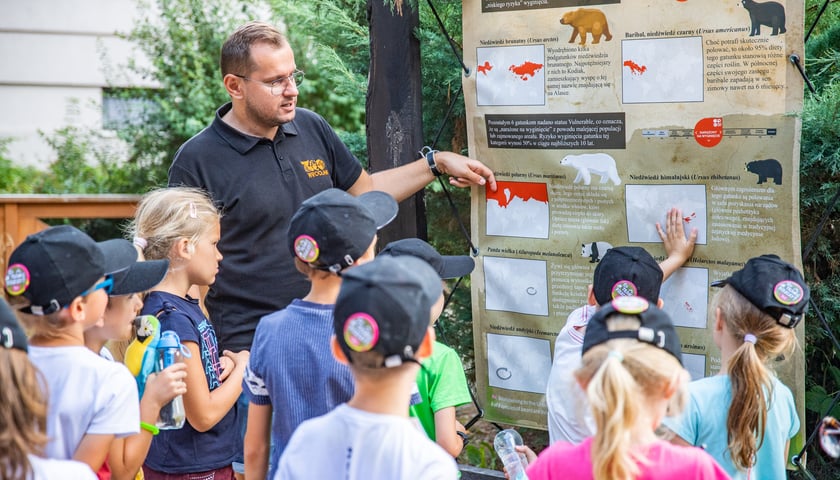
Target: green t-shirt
<point>442,384</point>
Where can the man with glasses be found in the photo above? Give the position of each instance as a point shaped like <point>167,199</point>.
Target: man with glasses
<point>260,159</point>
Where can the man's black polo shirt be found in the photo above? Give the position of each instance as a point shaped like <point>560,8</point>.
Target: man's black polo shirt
<point>258,185</point>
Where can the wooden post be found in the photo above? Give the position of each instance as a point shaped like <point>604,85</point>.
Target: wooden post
<point>394,106</point>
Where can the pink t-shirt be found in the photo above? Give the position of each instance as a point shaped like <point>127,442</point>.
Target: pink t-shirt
<point>666,461</point>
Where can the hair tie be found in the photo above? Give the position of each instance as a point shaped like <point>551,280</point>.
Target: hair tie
<point>616,355</point>
<point>750,338</point>
<point>193,211</point>
<point>141,243</point>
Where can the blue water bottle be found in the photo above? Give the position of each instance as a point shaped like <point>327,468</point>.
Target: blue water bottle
<point>169,349</point>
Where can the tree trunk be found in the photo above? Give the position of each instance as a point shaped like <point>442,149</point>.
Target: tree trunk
<point>394,106</point>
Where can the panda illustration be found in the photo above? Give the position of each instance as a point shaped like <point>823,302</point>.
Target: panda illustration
<point>594,250</point>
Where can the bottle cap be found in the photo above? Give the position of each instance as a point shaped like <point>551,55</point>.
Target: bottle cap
<point>169,339</point>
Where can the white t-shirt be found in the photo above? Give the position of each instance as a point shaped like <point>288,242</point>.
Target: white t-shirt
<point>51,469</point>
<point>569,417</point>
<point>87,395</point>
<point>352,444</point>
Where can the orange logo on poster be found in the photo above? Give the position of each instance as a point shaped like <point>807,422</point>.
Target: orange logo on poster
<point>708,132</point>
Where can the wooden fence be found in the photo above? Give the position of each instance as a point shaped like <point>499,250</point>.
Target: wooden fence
<point>21,215</point>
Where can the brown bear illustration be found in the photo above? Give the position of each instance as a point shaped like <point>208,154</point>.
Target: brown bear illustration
<point>587,20</point>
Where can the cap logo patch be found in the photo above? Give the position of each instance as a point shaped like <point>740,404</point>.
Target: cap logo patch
<point>788,292</point>
<point>361,332</point>
<point>306,248</point>
<point>630,305</point>
<point>624,288</point>
<point>17,279</point>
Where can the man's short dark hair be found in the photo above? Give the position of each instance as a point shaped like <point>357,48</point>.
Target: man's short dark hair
<point>236,51</point>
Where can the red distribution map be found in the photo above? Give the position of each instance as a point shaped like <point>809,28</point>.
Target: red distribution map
<point>526,70</point>
<point>635,69</point>
<point>507,191</point>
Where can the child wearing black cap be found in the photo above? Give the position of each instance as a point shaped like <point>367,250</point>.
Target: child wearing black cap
<point>59,281</point>
<point>382,327</point>
<point>441,383</point>
<point>745,416</point>
<point>622,271</point>
<point>124,304</point>
<point>291,375</point>
<point>632,373</point>
<point>23,418</point>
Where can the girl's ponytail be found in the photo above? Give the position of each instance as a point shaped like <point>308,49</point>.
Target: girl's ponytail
<point>611,394</point>
<point>623,378</point>
<point>752,380</point>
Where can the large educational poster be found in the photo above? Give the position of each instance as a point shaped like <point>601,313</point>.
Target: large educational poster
<point>599,116</point>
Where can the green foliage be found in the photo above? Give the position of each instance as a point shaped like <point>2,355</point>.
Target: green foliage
<point>14,179</point>
<point>182,39</point>
<point>86,162</point>
<point>481,455</point>
<point>331,44</point>
<point>820,182</point>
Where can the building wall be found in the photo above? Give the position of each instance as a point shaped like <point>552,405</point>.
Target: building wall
<point>56,57</point>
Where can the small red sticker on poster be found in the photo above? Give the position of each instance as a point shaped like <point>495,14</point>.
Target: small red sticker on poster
<point>709,131</point>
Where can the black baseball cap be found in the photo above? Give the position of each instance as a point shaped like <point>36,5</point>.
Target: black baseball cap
<point>54,266</point>
<point>774,286</point>
<point>332,229</point>
<point>447,266</point>
<point>139,277</point>
<point>656,327</point>
<point>626,271</point>
<point>385,306</point>
<point>11,334</point>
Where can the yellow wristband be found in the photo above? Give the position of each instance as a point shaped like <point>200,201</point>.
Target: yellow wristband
<point>154,430</point>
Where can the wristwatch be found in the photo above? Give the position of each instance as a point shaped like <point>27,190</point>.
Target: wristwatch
<point>429,153</point>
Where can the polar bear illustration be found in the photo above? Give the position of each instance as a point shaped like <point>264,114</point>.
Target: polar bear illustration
<point>589,163</point>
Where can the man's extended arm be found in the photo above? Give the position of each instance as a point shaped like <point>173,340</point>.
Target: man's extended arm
<point>403,181</point>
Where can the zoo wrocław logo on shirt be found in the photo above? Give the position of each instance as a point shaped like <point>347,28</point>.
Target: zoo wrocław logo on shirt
<point>315,168</point>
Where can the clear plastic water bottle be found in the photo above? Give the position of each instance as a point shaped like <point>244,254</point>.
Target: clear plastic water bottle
<point>515,462</point>
<point>172,414</point>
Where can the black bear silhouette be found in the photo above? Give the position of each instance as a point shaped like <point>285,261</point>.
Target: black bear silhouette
<point>771,14</point>
<point>766,169</point>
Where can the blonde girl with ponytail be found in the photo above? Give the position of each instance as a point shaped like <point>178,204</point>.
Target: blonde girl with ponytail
<point>745,416</point>
<point>632,373</point>
<point>182,225</point>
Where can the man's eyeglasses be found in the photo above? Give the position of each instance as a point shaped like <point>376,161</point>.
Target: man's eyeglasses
<point>107,285</point>
<point>281,84</point>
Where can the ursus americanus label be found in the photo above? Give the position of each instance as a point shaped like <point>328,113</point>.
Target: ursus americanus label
<point>769,168</point>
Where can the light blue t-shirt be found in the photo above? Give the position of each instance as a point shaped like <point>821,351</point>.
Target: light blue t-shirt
<point>703,423</point>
